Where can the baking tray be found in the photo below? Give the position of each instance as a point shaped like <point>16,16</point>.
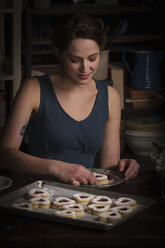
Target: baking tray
<point>59,189</point>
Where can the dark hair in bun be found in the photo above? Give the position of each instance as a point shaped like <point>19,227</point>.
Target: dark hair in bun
<point>76,26</point>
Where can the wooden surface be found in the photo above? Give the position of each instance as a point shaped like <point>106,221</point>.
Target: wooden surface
<point>145,230</point>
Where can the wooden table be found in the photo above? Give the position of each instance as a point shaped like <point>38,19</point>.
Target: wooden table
<point>145,230</point>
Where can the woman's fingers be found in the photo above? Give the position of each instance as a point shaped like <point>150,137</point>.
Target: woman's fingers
<point>132,170</point>
<point>122,165</point>
<point>92,179</point>
<point>78,174</point>
<point>75,182</point>
<point>86,178</point>
<point>130,166</point>
<point>83,180</point>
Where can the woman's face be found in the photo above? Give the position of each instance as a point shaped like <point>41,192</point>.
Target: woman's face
<point>81,60</point>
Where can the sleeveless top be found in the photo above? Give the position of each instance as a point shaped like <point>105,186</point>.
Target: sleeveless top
<point>53,134</point>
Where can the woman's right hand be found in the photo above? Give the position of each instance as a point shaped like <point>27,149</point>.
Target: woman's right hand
<point>73,173</point>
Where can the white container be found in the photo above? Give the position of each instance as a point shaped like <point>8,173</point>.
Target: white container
<point>141,143</point>
<point>102,70</point>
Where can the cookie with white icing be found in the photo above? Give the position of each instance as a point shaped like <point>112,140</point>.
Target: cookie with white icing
<point>90,208</point>
<point>60,201</point>
<point>66,213</point>
<point>102,179</point>
<point>123,210</point>
<point>105,200</point>
<point>38,193</point>
<point>125,201</point>
<point>79,210</point>
<point>40,202</point>
<point>97,209</point>
<point>83,198</point>
<point>110,216</point>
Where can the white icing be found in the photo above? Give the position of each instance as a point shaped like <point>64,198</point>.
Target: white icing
<point>66,213</point>
<point>38,193</point>
<point>102,200</point>
<point>90,207</point>
<point>122,209</point>
<point>110,216</point>
<point>100,177</point>
<point>75,207</point>
<point>83,197</point>
<point>113,215</point>
<point>99,208</point>
<point>62,201</point>
<point>103,216</point>
<point>41,201</point>
<point>125,201</point>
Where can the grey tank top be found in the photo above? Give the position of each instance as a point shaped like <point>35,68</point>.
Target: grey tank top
<point>53,134</point>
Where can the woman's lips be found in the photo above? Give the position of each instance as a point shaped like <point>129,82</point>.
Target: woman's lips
<point>83,77</point>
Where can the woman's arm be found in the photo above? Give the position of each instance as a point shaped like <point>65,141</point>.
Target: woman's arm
<point>26,103</point>
<point>109,154</point>
<point>110,150</point>
<point>15,161</point>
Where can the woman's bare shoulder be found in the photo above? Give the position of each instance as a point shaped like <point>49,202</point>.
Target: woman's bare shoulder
<point>29,93</point>
<point>113,94</point>
<point>30,83</point>
<point>114,102</point>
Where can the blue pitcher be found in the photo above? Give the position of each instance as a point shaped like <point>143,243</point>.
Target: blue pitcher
<point>146,69</point>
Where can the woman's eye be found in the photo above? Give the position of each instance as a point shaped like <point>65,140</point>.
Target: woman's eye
<point>74,60</point>
<point>92,59</point>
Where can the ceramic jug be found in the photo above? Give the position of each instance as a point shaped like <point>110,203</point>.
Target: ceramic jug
<point>146,69</point>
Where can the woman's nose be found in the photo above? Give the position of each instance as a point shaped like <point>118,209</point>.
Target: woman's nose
<point>84,66</point>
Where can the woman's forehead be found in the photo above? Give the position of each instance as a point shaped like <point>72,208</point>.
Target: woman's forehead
<point>82,46</point>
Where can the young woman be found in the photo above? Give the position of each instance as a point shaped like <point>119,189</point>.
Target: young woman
<point>71,118</point>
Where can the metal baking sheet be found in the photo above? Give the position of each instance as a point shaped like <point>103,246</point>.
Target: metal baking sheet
<point>59,189</point>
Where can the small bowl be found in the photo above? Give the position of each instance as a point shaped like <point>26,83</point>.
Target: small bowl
<point>141,143</point>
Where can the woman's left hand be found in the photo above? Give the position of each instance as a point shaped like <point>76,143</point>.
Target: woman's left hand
<point>129,167</point>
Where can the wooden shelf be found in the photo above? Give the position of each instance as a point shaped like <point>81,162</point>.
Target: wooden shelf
<point>117,43</point>
<point>128,113</point>
<point>41,41</point>
<point>14,22</point>
<point>97,9</point>
<point>139,38</point>
<point>5,76</point>
<point>6,10</point>
<point>118,39</point>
